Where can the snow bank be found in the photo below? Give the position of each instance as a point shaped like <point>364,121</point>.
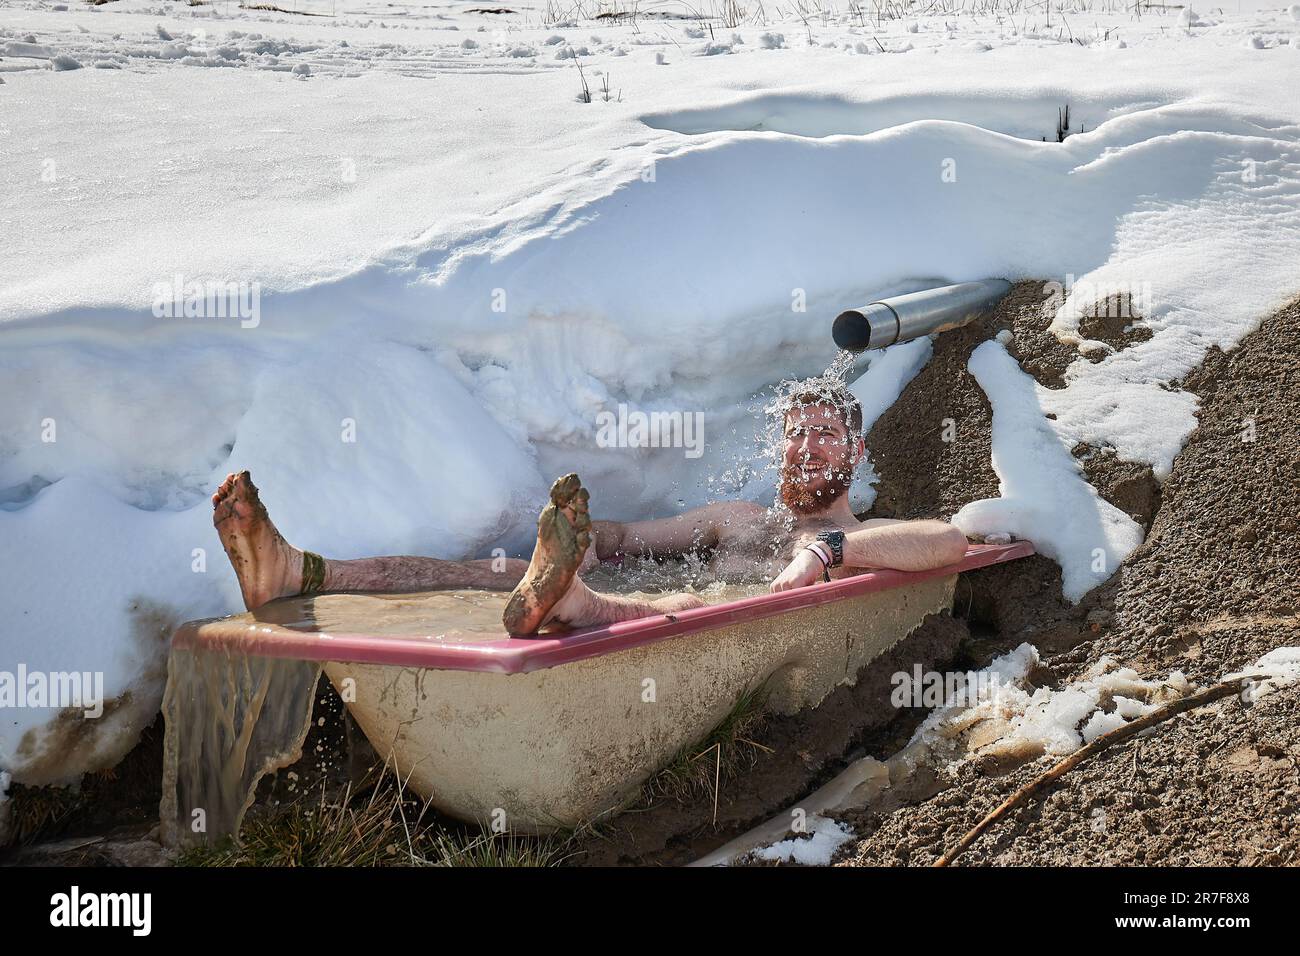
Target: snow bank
<point>886,375</point>
<point>1044,496</point>
<point>1013,719</point>
<point>459,266</point>
<point>1010,717</point>
<point>1279,667</point>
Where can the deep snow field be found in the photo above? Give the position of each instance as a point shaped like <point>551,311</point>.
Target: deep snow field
<point>456,264</point>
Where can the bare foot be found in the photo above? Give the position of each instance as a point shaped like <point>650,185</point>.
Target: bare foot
<point>563,537</point>
<point>268,566</point>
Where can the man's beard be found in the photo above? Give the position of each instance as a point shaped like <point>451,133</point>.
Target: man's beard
<point>800,486</point>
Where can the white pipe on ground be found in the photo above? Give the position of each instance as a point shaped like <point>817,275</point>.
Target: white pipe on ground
<point>855,786</point>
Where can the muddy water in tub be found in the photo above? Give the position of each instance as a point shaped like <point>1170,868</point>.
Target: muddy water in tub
<point>462,616</point>
<point>232,718</point>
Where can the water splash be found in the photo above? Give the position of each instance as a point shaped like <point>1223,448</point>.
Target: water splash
<point>774,409</point>
<point>231,719</point>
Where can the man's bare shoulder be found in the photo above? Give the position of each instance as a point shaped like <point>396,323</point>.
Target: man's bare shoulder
<point>716,511</point>
<point>732,510</point>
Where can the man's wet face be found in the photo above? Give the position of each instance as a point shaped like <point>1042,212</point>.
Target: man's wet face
<point>817,463</point>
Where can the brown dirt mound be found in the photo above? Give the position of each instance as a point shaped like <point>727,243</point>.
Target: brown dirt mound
<point>1211,590</point>
<point>931,449</point>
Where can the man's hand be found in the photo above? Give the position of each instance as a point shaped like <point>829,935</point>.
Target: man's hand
<point>805,569</point>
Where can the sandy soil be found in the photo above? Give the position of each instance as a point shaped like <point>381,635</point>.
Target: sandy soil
<point>1211,589</point>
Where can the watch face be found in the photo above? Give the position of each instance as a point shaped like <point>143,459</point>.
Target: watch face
<point>835,540</point>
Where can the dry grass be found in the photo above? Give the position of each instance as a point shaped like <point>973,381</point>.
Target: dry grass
<point>1025,14</point>
<point>273,8</point>
<point>384,827</point>
<point>127,793</point>
<point>703,769</point>
<point>37,813</point>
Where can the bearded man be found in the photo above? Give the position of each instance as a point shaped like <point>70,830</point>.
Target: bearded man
<point>810,534</point>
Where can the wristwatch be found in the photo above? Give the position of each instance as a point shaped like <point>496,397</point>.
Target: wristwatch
<point>835,541</point>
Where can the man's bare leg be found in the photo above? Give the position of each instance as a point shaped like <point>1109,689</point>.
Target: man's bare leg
<point>551,591</point>
<point>269,567</point>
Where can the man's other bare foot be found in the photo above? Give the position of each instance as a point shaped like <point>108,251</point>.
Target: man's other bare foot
<point>268,567</point>
<point>563,536</point>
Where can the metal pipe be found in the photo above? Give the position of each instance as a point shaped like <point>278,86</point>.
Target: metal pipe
<point>902,318</point>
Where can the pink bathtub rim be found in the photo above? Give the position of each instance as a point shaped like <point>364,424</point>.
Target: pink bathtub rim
<point>508,655</point>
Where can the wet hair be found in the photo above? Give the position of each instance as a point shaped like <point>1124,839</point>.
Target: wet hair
<point>835,395</point>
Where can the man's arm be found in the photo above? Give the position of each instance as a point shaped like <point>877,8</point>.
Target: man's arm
<point>882,543</point>
<point>669,537</point>
<point>904,545</point>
